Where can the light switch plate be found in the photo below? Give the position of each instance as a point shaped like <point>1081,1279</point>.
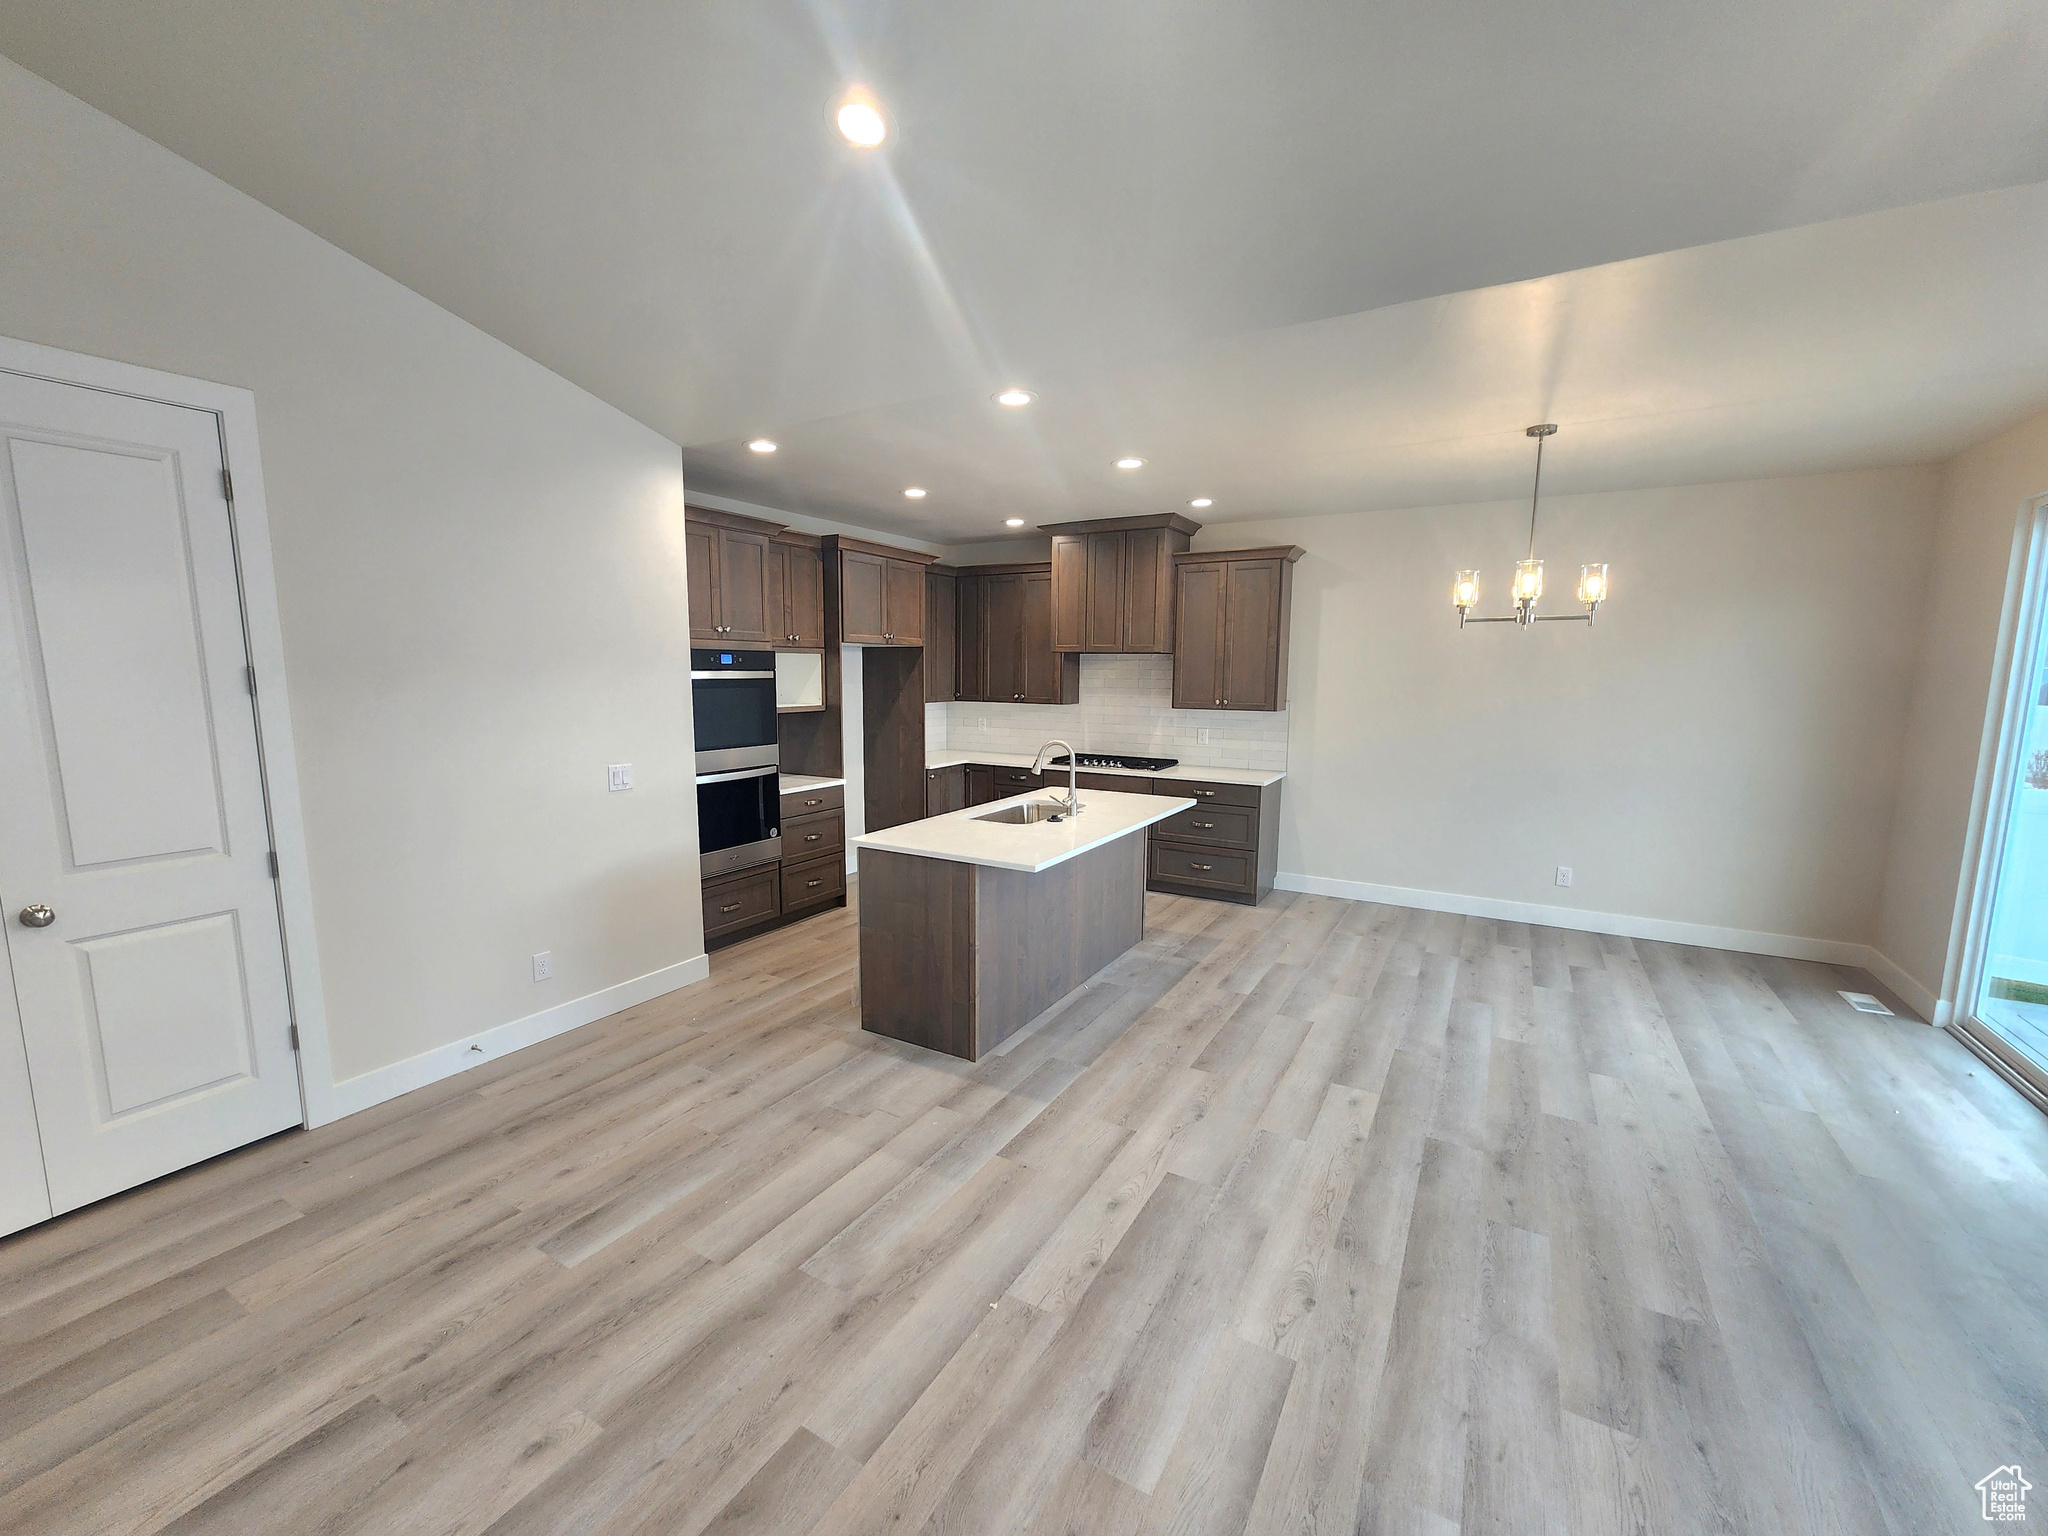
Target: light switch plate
<point>620,776</point>
<point>544,965</point>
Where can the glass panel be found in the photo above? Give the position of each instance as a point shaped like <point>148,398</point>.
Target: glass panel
<point>2014,1000</point>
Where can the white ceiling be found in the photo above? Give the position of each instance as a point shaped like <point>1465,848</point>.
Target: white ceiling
<point>1214,234</point>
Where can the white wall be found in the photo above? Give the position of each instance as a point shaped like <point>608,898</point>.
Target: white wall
<point>480,573</point>
<point>1721,749</point>
<point>1984,493</point>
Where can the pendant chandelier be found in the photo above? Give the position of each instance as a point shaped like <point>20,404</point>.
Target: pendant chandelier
<point>1528,583</point>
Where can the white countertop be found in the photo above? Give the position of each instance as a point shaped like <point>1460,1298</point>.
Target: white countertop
<point>795,783</point>
<point>961,837</point>
<point>1196,772</point>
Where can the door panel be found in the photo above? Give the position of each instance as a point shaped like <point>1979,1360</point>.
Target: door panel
<point>119,647</point>
<point>1148,590</point>
<point>1005,637</point>
<point>745,596</point>
<point>804,596</point>
<point>700,561</point>
<point>1198,637</point>
<point>1251,634</point>
<point>903,602</point>
<point>1105,591</point>
<point>24,1192</point>
<point>941,605</point>
<point>1040,678</point>
<point>1070,592</point>
<point>860,598</point>
<point>154,1016</point>
<point>970,648</point>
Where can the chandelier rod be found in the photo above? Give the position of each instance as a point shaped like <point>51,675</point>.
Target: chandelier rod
<point>1535,491</point>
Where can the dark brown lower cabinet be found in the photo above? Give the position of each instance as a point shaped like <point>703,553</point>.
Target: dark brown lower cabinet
<point>981,784</point>
<point>1227,846</point>
<point>741,903</point>
<point>945,789</point>
<point>813,883</point>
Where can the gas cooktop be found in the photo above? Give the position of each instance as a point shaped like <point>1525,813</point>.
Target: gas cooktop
<point>1106,760</point>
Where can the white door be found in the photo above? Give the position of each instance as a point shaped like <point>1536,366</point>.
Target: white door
<point>135,873</point>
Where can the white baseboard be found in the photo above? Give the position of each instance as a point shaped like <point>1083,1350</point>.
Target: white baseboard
<point>1703,935</point>
<point>374,1087</point>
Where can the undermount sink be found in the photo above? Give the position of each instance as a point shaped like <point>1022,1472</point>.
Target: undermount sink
<point>1027,813</point>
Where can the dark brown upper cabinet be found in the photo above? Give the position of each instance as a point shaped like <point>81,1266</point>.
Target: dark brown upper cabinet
<point>1112,582</point>
<point>874,593</point>
<point>1004,628</point>
<point>1231,621</point>
<point>941,653</point>
<point>731,578</point>
<point>798,585</point>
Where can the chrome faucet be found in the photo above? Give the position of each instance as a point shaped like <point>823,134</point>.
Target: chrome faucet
<point>1073,804</point>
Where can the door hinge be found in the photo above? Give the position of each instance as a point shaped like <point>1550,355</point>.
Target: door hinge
<point>273,863</point>
<point>250,674</point>
<point>227,485</point>
<point>295,1036</point>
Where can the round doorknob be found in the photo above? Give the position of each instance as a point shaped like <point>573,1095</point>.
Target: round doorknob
<point>37,916</point>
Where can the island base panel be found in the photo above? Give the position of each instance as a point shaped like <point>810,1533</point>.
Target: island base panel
<point>959,957</point>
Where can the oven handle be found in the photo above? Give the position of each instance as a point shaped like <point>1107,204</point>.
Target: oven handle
<point>740,773</point>
<point>701,676</point>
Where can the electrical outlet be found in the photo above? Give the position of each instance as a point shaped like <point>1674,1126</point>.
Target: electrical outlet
<point>1564,874</point>
<point>1202,736</point>
<point>619,776</point>
<point>544,965</point>
<point>984,722</point>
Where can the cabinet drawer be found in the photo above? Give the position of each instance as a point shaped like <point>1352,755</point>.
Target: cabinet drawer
<point>1122,783</point>
<point>1224,826</point>
<point>1212,794</point>
<point>813,881</point>
<point>1014,781</point>
<point>805,837</point>
<point>741,900</point>
<point>802,802</point>
<point>1208,868</point>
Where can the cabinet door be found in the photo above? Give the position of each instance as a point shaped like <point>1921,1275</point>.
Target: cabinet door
<point>1251,634</point>
<point>903,602</point>
<point>945,789</point>
<point>745,609</point>
<point>1148,591</point>
<point>970,648</point>
<point>700,560</point>
<point>1069,592</point>
<point>1040,672</point>
<point>981,784</point>
<point>1004,624</point>
<point>803,596</point>
<point>941,602</point>
<point>1198,636</point>
<point>860,598</point>
<point>1106,591</point>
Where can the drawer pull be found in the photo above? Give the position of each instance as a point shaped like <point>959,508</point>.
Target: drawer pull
<point>1193,865</point>
<point>732,906</point>
<point>812,837</point>
<point>809,883</point>
<point>814,802</point>
<point>1201,823</point>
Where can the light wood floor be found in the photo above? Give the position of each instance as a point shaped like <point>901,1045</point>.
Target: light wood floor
<point>1315,1217</point>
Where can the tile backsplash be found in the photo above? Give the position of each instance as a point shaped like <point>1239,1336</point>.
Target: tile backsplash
<point>1126,706</point>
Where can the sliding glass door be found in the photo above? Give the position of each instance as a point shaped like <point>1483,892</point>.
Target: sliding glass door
<point>2010,1008</point>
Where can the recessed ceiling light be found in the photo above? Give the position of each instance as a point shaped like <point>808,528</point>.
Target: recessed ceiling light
<point>1130,463</point>
<point>1015,396</point>
<point>914,492</point>
<point>762,445</point>
<point>1013,522</point>
<point>1201,501</point>
<point>860,119</point>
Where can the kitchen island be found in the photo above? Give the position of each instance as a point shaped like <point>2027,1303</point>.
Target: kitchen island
<point>974,923</point>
